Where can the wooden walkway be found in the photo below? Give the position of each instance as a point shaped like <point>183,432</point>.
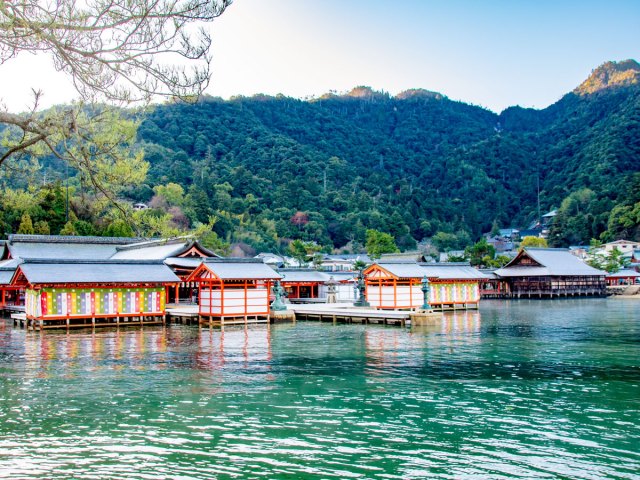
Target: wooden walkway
<point>189,315</point>
<point>348,314</point>
<point>129,321</point>
<point>335,313</point>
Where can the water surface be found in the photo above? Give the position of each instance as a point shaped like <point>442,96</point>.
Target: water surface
<point>526,389</point>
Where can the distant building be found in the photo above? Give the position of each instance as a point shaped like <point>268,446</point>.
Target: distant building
<point>626,276</point>
<point>532,232</point>
<point>625,246</point>
<point>540,228</point>
<point>140,206</point>
<point>579,251</point>
<point>342,262</point>
<point>445,256</point>
<point>501,244</point>
<point>278,261</point>
<point>492,286</point>
<point>300,283</point>
<point>510,233</point>
<point>412,256</point>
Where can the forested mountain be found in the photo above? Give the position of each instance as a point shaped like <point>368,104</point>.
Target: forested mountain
<point>416,165</point>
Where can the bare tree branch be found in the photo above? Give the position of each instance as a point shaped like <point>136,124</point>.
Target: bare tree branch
<point>117,50</point>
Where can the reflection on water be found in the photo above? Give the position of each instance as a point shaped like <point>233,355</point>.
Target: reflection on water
<point>519,389</point>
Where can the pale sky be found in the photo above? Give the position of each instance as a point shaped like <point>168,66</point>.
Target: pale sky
<point>492,53</point>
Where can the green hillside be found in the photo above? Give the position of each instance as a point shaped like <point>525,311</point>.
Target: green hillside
<point>418,166</point>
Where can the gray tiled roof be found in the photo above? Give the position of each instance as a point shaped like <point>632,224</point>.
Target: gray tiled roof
<point>624,273</point>
<point>403,269</point>
<point>6,276</point>
<point>87,251</point>
<point>98,248</point>
<point>303,276</point>
<point>489,273</point>
<point>187,262</point>
<point>452,271</point>
<point>7,267</point>
<point>22,238</point>
<point>48,271</point>
<point>10,264</point>
<point>443,270</point>
<point>553,261</point>
<point>61,246</point>
<point>241,269</point>
<point>150,252</point>
<point>160,249</point>
<point>347,257</point>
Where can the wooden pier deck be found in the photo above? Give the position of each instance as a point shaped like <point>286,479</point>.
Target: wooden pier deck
<point>324,312</point>
<point>347,313</point>
<point>86,322</point>
<point>335,313</point>
<point>189,315</point>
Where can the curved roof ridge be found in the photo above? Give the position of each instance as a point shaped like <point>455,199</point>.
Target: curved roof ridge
<point>24,238</point>
<point>154,242</point>
<point>80,261</point>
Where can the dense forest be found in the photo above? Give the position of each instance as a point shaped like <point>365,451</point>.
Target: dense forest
<point>263,170</point>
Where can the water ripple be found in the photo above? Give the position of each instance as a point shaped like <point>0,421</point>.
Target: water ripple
<point>523,389</point>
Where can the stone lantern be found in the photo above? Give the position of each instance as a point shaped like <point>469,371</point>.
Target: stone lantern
<point>331,290</point>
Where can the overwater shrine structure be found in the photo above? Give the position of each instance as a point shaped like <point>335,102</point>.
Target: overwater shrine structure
<point>80,293</point>
<point>551,272</point>
<point>233,290</point>
<point>398,285</point>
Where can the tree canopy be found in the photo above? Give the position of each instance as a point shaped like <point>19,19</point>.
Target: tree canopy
<point>120,51</point>
<point>418,167</point>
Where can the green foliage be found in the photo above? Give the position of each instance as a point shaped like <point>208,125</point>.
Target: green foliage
<point>69,229</point>
<point>359,265</point>
<point>171,193</point>
<point>418,166</point>
<point>41,227</point>
<point>498,262</point>
<point>611,262</point>
<point>378,243</point>
<point>444,241</point>
<point>118,228</point>
<point>302,251</point>
<point>26,225</point>
<point>480,253</point>
<point>209,239</point>
<point>536,242</point>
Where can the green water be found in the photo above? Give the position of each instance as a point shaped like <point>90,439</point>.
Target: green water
<point>526,389</point>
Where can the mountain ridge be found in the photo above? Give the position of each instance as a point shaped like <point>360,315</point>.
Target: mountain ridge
<point>419,166</point>
<point>610,75</point>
